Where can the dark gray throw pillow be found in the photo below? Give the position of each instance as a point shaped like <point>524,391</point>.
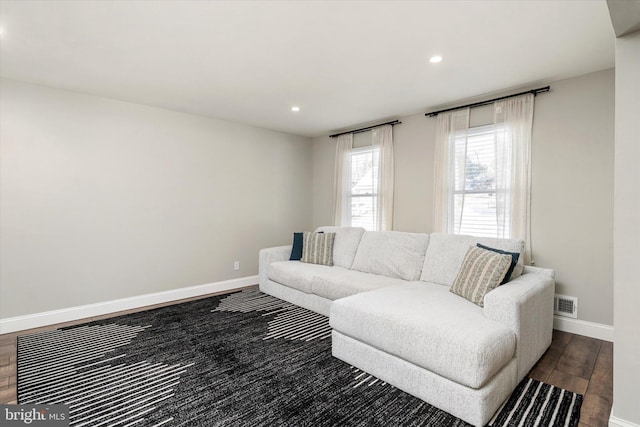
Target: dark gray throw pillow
<point>298,243</point>
<point>296,250</point>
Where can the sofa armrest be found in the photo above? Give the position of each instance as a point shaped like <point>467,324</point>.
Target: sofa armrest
<point>525,305</point>
<point>539,270</point>
<point>269,255</point>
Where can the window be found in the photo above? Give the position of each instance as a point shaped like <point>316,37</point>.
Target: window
<point>482,175</point>
<point>472,201</point>
<point>364,188</point>
<point>363,182</point>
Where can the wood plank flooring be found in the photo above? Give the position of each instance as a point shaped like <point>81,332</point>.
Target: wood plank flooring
<point>574,362</point>
<point>583,365</point>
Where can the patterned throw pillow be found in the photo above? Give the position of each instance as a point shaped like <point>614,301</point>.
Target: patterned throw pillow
<point>515,256</point>
<point>481,272</point>
<point>317,248</point>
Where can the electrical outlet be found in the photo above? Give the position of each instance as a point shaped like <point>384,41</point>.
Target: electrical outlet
<point>236,265</point>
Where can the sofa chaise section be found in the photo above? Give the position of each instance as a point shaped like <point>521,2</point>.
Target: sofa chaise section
<point>430,327</point>
<point>444,349</point>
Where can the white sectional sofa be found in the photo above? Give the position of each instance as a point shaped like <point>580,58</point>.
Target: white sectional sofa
<point>388,300</point>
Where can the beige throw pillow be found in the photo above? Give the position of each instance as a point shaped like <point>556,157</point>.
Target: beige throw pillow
<point>317,248</point>
<point>481,272</point>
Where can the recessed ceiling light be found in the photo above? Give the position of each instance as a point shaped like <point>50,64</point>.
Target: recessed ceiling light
<point>435,59</point>
<point>295,108</point>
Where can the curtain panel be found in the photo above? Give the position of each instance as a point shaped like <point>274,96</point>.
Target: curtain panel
<point>514,121</point>
<point>342,181</point>
<point>382,140</point>
<point>450,124</point>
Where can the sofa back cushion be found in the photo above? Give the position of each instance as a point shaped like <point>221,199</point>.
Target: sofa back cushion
<point>392,253</point>
<point>345,244</point>
<point>446,252</point>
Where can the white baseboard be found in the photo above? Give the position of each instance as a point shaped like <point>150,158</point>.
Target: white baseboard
<point>618,422</point>
<point>20,323</point>
<point>582,327</point>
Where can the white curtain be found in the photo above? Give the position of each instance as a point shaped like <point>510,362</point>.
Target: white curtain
<point>450,125</point>
<point>382,140</point>
<point>514,120</point>
<point>342,181</point>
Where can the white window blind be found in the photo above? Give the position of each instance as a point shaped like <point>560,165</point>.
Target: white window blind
<point>474,194</point>
<point>364,187</point>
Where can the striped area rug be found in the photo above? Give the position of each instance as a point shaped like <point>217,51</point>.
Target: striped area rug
<point>534,403</point>
<point>236,360</point>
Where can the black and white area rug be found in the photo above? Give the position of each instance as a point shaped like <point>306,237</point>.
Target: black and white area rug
<point>243,359</point>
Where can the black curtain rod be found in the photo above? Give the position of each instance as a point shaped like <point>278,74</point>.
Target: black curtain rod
<point>481,103</point>
<point>394,122</point>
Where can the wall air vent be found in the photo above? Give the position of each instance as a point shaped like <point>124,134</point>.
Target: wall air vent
<point>565,306</point>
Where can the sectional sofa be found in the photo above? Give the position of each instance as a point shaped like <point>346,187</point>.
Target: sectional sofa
<point>388,299</point>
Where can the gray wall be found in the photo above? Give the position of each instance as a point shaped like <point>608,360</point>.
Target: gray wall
<point>626,375</point>
<point>572,188</point>
<point>103,199</point>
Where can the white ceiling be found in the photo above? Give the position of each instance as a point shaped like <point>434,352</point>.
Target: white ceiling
<point>344,63</point>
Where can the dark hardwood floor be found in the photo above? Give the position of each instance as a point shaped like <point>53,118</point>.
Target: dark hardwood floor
<point>574,362</point>
<point>583,365</point>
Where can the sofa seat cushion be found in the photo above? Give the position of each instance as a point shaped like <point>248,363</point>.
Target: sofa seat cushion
<point>391,253</point>
<point>295,274</point>
<point>327,282</point>
<point>428,326</point>
<point>446,252</point>
<point>340,283</point>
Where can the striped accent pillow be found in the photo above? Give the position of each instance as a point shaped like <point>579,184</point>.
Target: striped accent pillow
<point>317,248</point>
<point>481,272</point>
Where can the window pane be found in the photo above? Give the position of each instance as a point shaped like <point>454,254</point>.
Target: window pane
<point>474,196</point>
<point>476,214</point>
<point>475,161</point>
<point>364,170</point>
<point>364,188</point>
<point>363,212</point>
